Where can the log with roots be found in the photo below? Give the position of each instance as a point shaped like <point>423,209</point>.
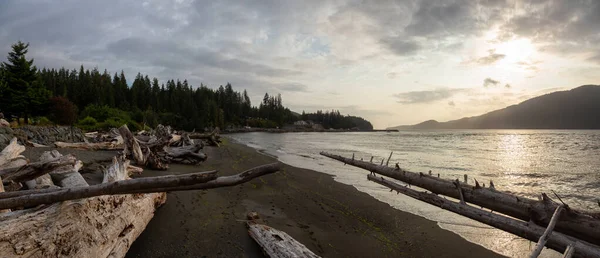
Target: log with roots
<point>186,155</point>
<point>156,153</point>
<point>527,230</point>
<point>572,222</point>
<point>213,139</point>
<point>103,226</point>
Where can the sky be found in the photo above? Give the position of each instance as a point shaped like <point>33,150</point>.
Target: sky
<point>391,62</point>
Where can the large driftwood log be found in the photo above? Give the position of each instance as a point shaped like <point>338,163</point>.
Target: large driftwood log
<point>91,146</point>
<point>12,151</point>
<point>276,243</point>
<point>104,226</point>
<point>213,139</point>
<point>64,176</point>
<point>571,222</point>
<point>223,181</point>
<point>139,185</point>
<point>187,154</point>
<point>132,146</point>
<point>36,169</point>
<point>527,230</point>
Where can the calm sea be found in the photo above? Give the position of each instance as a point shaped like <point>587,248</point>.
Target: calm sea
<point>524,162</point>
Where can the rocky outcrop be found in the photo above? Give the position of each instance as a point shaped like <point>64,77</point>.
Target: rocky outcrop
<point>48,135</point>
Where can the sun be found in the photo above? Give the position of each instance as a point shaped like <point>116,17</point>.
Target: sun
<point>518,50</point>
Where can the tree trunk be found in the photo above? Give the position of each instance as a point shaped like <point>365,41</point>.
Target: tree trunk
<point>572,222</point>
<point>527,230</point>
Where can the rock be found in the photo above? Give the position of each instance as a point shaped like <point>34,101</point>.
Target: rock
<point>5,135</point>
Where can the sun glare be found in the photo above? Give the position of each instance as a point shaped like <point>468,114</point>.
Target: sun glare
<point>518,50</point>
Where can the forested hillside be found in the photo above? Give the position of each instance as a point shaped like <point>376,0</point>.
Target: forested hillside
<point>94,99</point>
<point>573,109</point>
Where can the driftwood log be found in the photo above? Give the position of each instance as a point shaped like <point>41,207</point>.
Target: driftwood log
<point>114,183</point>
<point>33,170</point>
<point>275,243</point>
<point>572,222</point>
<point>527,230</point>
<point>10,152</point>
<point>90,146</point>
<point>103,226</point>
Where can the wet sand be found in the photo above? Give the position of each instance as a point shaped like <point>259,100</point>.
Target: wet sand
<point>330,218</point>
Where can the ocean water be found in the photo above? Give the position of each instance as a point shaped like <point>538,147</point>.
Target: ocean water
<point>523,162</point>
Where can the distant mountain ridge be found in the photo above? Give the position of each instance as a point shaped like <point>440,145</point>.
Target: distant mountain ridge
<point>578,108</point>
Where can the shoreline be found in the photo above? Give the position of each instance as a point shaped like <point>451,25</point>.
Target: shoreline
<point>330,218</point>
<point>304,130</point>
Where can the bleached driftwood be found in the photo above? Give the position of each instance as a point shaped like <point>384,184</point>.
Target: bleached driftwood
<point>12,151</point>
<point>2,191</point>
<point>193,181</point>
<point>527,230</point>
<point>187,154</point>
<point>33,170</point>
<point>544,238</point>
<point>90,146</point>
<point>103,226</point>
<point>132,146</point>
<point>276,243</point>
<point>572,222</point>
<point>67,175</point>
<point>213,139</point>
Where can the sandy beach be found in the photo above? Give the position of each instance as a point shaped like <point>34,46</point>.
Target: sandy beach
<point>330,218</point>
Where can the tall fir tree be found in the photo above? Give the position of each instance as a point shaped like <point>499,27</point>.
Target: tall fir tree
<point>25,93</point>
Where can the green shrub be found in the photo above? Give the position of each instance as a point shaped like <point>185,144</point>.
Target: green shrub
<point>88,124</point>
<point>43,121</point>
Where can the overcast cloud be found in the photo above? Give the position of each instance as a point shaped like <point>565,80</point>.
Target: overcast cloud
<point>377,55</point>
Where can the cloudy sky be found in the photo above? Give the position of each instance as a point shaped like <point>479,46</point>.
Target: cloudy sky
<point>392,62</point>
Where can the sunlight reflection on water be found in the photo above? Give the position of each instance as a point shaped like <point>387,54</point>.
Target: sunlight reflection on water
<point>524,162</point>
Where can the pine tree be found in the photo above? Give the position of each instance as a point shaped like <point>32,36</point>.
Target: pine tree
<point>24,93</point>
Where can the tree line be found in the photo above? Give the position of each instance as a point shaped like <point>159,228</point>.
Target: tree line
<point>95,99</point>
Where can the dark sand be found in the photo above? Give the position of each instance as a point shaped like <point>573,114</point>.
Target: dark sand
<point>330,218</point>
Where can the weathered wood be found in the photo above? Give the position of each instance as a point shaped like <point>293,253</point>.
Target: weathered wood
<point>104,226</point>
<point>570,251</point>
<point>573,222</point>
<point>11,151</point>
<point>64,176</point>
<point>132,146</point>
<point>218,182</point>
<point>139,185</point>
<point>187,154</point>
<point>36,169</point>
<point>527,230</point>
<point>276,243</point>
<point>224,181</point>
<point>2,191</point>
<point>90,146</point>
<point>542,241</point>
